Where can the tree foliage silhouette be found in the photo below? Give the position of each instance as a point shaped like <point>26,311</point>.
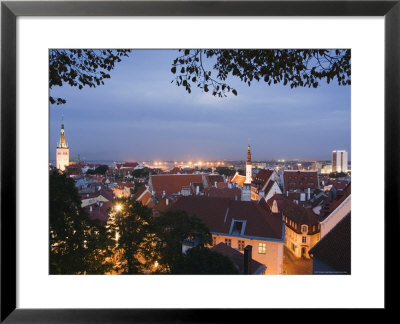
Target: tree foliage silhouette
<point>209,69</point>
<point>81,67</point>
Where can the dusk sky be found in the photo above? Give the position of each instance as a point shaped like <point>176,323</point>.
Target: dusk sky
<point>140,115</point>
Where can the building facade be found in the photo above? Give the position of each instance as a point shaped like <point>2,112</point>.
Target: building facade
<point>339,161</point>
<point>239,224</point>
<point>302,228</point>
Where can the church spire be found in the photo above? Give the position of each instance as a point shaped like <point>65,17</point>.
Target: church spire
<point>248,154</point>
<point>62,142</point>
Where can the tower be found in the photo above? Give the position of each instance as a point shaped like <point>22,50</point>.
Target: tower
<point>62,151</point>
<point>248,166</point>
<point>339,161</point>
<point>246,190</point>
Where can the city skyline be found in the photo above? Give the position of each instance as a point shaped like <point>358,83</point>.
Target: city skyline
<point>138,115</point>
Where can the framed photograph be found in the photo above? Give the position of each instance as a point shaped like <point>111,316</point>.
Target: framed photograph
<point>223,136</point>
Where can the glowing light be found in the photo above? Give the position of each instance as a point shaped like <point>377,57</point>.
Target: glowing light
<point>118,207</point>
<point>156,264</point>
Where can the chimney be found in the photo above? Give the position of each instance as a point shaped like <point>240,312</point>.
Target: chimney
<point>247,259</point>
<point>308,194</point>
<point>197,190</point>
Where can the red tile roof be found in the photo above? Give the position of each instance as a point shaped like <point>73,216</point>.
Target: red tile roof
<point>175,170</point>
<point>334,248</point>
<point>222,185</point>
<point>268,186</point>
<point>126,165</point>
<point>231,193</point>
<point>300,180</point>
<point>238,258</point>
<point>218,213</point>
<point>212,178</point>
<point>293,211</point>
<point>338,184</point>
<point>139,191</point>
<point>171,183</point>
<point>99,211</point>
<point>263,176</point>
<point>239,179</point>
<point>330,206</point>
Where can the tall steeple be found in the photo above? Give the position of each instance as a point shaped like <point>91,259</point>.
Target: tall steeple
<point>246,189</point>
<point>248,155</point>
<point>62,151</point>
<point>248,166</point>
<point>62,143</point>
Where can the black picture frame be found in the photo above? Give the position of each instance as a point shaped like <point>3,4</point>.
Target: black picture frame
<point>10,10</point>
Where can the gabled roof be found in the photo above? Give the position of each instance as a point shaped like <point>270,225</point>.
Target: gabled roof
<point>338,184</point>
<point>218,214</point>
<point>212,178</point>
<point>175,170</point>
<point>231,193</point>
<point>300,180</point>
<point>173,183</point>
<point>263,177</point>
<point>221,185</point>
<point>334,248</point>
<point>269,186</point>
<point>293,211</point>
<point>332,205</point>
<point>239,179</point>
<point>126,165</point>
<point>237,259</point>
<point>145,198</point>
<point>139,192</point>
<point>99,211</point>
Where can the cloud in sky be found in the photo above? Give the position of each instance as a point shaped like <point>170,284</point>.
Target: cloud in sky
<point>139,115</point>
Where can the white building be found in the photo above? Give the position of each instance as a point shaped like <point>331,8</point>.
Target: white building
<point>339,161</point>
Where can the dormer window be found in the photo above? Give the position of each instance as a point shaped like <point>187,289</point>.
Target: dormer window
<point>304,228</point>
<point>237,227</point>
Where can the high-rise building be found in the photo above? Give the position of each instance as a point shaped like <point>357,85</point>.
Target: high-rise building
<point>339,161</point>
<point>62,152</point>
<point>246,189</point>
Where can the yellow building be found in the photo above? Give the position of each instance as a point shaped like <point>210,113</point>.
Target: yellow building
<point>302,226</point>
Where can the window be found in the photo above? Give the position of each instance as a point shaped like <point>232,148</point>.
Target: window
<point>304,228</point>
<point>237,228</point>
<point>228,242</point>
<point>262,247</point>
<point>241,245</point>
<point>304,239</point>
